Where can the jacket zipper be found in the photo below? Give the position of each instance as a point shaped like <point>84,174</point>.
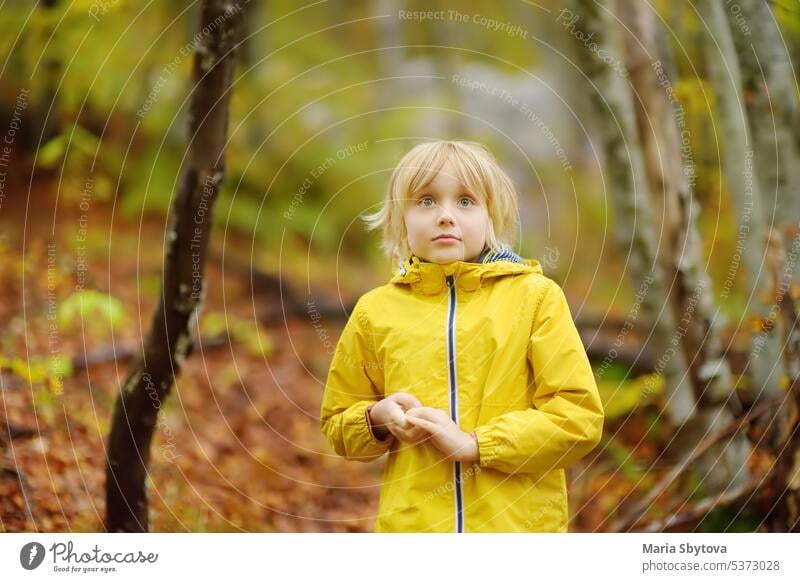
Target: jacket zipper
<point>453,386</point>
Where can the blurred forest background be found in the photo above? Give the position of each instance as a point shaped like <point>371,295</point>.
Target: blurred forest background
<point>655,149</point>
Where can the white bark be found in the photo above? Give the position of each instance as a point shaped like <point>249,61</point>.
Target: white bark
<point>681,257</point>
<point>627,184</point>
<point>723,70</point>
<point>768,82</point>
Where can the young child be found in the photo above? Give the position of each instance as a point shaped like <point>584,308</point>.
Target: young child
<point>466,366</point>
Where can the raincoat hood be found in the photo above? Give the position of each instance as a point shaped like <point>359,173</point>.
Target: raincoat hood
<point>430,278</point>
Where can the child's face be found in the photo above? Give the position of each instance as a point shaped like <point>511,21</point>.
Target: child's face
<point>446,207</point>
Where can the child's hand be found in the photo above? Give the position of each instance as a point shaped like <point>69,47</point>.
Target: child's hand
<point>444,433</point>
<point>389,416</point>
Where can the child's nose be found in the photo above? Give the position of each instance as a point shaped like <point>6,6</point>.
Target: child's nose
<point>445,217</point>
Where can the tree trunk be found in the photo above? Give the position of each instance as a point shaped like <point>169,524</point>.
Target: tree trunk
<point>783,513</point>
<point>390,54</point>
<point>659,117</point>
<point>449,38</point>
<point>45,121</point>
<point>768,85</point>
<point>171,335</point>
<point>771,104</point>
<point>772,109</point>
<point>627,185</point>
<point>722,68</point>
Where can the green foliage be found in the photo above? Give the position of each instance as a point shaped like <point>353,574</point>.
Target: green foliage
<point>310,83</point>
<point>246,332</point>
<point>623,458</point>
<point>730,520</point>
<point>88,167</point>
<point>127,80</point>
<point>43,374</point>
<point>620,397</point>
<point>92,310</point>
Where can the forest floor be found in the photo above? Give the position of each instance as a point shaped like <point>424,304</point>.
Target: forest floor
<point>240,447</point>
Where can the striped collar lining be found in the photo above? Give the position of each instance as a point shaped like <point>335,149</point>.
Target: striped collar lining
<point>489,255</point>
<point>501,253</point>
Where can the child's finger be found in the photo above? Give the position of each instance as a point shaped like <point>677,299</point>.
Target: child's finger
<point>413,435</point>
<point>425,413</point>
<point>397,416</point>
<point>407,401</point>
<point>421,422</point>
<point>421,412</point>
<point>415,429</point>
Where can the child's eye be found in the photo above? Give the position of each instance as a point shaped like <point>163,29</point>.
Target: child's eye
<point>468,201</point>
<point>424,201</point>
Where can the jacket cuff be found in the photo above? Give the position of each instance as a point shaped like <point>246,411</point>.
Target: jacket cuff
<point>388,440</point>
<point>487,445</point>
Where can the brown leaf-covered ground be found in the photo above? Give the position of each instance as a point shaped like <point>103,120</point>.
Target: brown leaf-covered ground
<point>238,446</point>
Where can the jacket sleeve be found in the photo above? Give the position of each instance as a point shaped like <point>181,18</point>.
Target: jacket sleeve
<point>565,420</point>
<point>355,381</point>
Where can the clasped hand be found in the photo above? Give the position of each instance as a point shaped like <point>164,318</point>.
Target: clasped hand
<point>406,418</point>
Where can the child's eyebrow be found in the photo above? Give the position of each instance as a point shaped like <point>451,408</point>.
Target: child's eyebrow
<point>427,192</point>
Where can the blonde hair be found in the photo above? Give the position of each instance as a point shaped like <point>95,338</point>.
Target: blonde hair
<point>475,167</point>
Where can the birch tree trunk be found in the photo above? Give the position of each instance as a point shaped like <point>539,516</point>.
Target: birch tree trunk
<point>723,71</point>
<point>600,59</point>
<point>449,38</point>
<point>172,330</point>
<point>768,86</point>
<point>690,292</point>
<point>390,60</point>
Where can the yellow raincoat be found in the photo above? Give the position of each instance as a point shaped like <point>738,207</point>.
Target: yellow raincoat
<point>518,376</point>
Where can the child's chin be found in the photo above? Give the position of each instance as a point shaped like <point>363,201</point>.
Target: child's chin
<point>445,258</point>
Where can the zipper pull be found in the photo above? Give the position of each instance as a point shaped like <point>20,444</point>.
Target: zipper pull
<point>449,280</point>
